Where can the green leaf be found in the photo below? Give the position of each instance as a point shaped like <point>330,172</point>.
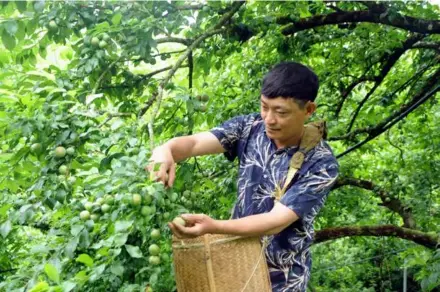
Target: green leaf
<point>5,228</point>
<point>4,209</point>
<point>40,287</point>
<point>106,162</point>
<point>85,259</point>
<point>21,5</point>
<point>134,251</point>
<point>41,248</point>
<point>11,27</point>
<point>121,226</point>
<point>52,272</point>
<point>42,74</point>
<point>117,124</point>
<point>117,269</point>
<point>120,239</point>
<point>76,229</point>
<point>91,97</point>
<point>71,247</point>
<point>68,286</point>
<point>39,6</point>
<point>116,19</point>
<point>8,40</point>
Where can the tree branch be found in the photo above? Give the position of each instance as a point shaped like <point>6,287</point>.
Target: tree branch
<point>392,203</point>
<point>415,236</point>
<point>386,17</point>
<point>190,7</point>
<point>427,45</point>
<point>391,59</point>
<point>379,128</point>
<point>185,42</point>
<point>377,131</point>
<point>346,91</point>
<point>215,30</point>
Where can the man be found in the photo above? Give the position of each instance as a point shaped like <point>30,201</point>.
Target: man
<point>264,144</point>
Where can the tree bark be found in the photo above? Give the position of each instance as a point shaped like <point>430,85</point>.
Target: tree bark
<point>429,241</point>
<point>374,16</point>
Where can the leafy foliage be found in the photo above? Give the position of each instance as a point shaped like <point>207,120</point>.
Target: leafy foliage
<point>86,76</point>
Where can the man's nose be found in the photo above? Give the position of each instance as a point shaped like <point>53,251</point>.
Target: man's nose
<point>270,118</point>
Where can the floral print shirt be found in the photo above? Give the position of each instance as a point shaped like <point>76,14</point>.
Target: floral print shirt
<point>263,167</point>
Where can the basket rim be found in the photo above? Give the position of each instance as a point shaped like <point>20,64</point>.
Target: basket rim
<point>180,243</point>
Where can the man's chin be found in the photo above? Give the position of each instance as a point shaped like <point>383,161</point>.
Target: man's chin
<point>272,134</point>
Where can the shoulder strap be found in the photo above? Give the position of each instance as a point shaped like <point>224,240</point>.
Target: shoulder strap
<point>313,133</point>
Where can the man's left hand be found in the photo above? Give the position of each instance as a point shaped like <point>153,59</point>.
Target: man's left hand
<point>196,225</point>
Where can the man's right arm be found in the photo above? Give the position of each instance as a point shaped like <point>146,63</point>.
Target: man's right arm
<point>195,145</point>
<point>181,148</point>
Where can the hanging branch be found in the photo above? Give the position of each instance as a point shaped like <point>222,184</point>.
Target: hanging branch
<point>416,236</point>
<point>346,91</point>
<point>370,129</point>
<point>392,203</point>
<point>98,82</point>
<point>377,131</point>
<point>190,71</point>
<point>391,59</point>
<point>142,78</point>
<point>215,30</point>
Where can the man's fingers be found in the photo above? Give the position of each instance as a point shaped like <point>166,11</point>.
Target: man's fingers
<point>174,230</point>
<point>187,232</point>
<point>163,173</point>
<point>171,175</point>
<point>192,218</point>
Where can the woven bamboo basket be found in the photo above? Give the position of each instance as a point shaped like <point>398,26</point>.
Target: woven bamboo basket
<point>220,263</point>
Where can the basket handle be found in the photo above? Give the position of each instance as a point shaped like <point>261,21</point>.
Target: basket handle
<point>209,263</point>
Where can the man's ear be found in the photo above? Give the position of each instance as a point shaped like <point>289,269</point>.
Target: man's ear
<point>310,108</point>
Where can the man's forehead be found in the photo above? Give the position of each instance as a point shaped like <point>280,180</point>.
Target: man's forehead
<point>277,101</point>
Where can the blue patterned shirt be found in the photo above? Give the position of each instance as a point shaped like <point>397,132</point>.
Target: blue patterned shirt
<point>262,167</point>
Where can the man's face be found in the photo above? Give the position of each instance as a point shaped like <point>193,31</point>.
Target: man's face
<point>284,118</point>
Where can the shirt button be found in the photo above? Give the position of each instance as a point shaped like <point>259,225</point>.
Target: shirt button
<point>265,176</point>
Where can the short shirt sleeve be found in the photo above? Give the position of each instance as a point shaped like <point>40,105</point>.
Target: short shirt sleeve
<point>307,195</point>
<point>232,134</point>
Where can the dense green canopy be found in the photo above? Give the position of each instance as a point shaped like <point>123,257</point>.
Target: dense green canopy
<point>109,80</point>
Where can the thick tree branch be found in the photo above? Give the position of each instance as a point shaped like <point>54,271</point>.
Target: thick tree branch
<point>392,203</point>
<point>415,236</point>
<point>427,45</point>
<point>185,42</point>
<point>386,17</point>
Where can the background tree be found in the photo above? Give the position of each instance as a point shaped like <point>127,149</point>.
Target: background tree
<point>88,88</point>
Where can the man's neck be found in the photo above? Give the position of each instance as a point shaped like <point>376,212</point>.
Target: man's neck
<point>293,141</point>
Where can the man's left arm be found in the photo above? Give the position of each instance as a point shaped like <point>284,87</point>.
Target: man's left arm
<point>303,199</point>
<point>269,223</point>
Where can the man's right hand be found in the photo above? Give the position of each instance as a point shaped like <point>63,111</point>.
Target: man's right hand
<point>162,166</point>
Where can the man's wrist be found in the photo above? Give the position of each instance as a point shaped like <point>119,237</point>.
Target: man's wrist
<point>218,227</point>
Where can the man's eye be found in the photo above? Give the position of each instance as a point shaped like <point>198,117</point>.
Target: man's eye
<point>282,113</point>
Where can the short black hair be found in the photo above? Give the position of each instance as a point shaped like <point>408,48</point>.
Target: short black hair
<point>291,79</point>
